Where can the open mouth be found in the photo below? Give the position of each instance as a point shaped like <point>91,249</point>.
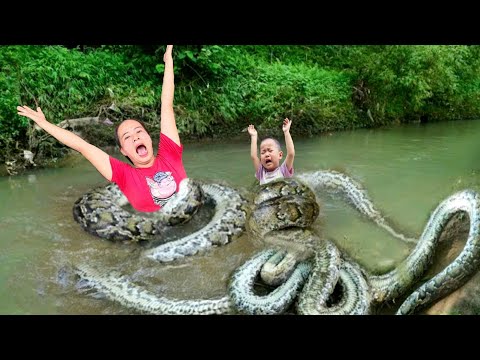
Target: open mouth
<point>267,162</point>
<point>141,150</point>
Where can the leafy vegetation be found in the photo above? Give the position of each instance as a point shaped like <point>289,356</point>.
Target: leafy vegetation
<point>222,89</point>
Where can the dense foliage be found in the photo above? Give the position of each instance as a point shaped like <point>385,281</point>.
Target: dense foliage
<point>222,89</point>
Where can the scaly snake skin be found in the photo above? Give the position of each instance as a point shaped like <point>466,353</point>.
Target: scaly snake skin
<point>118,288</point>
<point>305,268</point>
<point>335,182</point>
<point>101,212</point>
<point>289,204</point>
<point>228,221</point>
<point>396,283</point>
<point>276,302</point>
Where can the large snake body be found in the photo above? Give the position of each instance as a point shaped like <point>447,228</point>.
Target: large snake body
<point>103,212</point>
<point>361,291</point>
<point>300,266</point>
<point>388,286</point>
<point>290,206</point>
<point>117,287</point>
<point>394,284</point>
<point>228,222</point>
<point>334,182</point>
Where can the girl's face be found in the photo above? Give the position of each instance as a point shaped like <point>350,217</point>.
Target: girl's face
<point>136,143</point>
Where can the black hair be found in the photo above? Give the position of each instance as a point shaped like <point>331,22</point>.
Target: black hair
<point>275,140</point>
<point>117,139</point>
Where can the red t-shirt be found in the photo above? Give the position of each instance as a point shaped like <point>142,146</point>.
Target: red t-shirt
<point>148,189</point>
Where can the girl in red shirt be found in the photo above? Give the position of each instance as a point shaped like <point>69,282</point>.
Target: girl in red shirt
<point>151,180</point>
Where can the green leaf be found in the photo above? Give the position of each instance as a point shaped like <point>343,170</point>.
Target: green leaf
<point>191,56</point>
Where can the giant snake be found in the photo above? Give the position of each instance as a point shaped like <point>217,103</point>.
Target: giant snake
<point>301,268</point>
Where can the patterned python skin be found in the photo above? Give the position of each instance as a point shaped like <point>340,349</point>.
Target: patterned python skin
<point>303,268</point>
<point>227,223</point>
<point>334,183</point>
<point>359,291</point>
<point>118,288</point>
<point>102,212</point>
<point>283,212</point>
<point>395,283</point>
<point>388,287</point>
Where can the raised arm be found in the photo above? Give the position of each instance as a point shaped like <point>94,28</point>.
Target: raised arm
<point>167,117</point>
<point>97,157</point>
<point>253,146</point>
<point>289,143</point>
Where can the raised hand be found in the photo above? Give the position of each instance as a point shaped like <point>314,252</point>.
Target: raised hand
<point>286,124</point>
<point>36,116</point>
<point>251,130</point>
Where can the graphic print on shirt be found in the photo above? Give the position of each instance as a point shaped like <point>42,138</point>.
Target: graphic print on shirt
<point>162,187</point>
<point>272,175</point>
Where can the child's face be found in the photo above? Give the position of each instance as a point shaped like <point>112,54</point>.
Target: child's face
<point>270,154</point>
<point>136,143</point>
